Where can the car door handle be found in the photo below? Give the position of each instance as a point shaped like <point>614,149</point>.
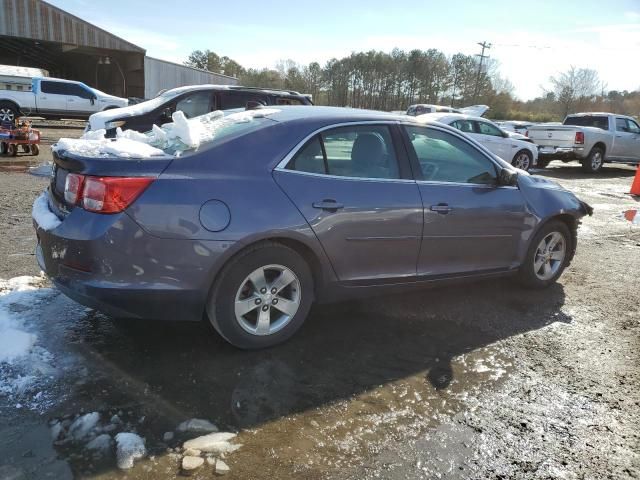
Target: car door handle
<point>441,208</point>
<point>328,204</point>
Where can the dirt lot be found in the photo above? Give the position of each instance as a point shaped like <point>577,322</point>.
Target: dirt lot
<point>478,381</point>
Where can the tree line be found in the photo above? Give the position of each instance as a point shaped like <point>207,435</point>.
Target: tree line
<point>394,80</point>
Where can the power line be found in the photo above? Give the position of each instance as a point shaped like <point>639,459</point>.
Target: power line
<point>485,46</point>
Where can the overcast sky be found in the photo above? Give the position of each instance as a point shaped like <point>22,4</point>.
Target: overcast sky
<point>532,40</point>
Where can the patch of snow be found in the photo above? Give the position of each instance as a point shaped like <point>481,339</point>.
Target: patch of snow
<point>130,447</point>
<point>222,468</point>
<point>41,213</point>
<point>28,376</point>
<point>191,463</point>
<point>119,147</point>
<point>83,425</point>
<point>197,425</point>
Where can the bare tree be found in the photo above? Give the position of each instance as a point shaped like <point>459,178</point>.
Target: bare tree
<point>575,88</point>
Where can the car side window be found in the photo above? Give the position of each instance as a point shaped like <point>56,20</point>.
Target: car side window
<point>485,128</point>
<point>56,88</point>
<point>465,126</point>
<point>195,104</point>
<point>443,157</point>
<point>358,151</point>
<point>229,99</point>
<point>621,124</point>
<point>78,91</point>
<point>633,126</point>
<point>287,101</point>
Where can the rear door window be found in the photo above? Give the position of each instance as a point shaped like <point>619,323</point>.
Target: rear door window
<point>56,88</point>
<point>465,126</point>
<point>231,99</point>
<point>358,151</point>
<point>288,101</point>
<point>485,128</point>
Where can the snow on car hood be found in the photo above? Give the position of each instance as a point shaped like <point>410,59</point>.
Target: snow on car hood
<point>98,120</point>
<point>175,137</point>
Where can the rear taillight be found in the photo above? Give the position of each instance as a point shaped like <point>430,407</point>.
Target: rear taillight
<point>103,194</point>
<point>73,188</point>
<point>580,137</point>
<point>112,194</point>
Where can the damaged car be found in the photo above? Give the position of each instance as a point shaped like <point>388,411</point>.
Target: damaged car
<point>247,219</point>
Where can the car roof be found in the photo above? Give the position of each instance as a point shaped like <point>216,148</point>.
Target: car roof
<point>235,88</point>
<point>440,116</point>
<point>332,114</point>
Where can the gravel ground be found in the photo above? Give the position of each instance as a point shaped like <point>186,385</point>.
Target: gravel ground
<point>479,381</point>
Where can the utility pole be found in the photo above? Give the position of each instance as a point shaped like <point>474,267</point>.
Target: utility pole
<point>485,46</point>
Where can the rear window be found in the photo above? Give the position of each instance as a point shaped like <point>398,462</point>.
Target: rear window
<point>597,121</point>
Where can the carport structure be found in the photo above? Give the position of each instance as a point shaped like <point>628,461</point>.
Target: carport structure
<point>34,33</point>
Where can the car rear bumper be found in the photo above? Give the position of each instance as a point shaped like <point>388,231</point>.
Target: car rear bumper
<point>109,263</point>
<point>569,153</point>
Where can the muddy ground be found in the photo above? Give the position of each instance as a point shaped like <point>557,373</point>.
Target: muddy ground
<point>485,380</point>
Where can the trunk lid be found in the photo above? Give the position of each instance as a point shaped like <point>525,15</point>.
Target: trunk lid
<point>65,163</point>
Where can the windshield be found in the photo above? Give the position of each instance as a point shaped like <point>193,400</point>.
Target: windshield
<point>598,121</point>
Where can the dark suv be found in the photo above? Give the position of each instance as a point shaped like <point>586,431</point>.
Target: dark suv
<point>193,100</point>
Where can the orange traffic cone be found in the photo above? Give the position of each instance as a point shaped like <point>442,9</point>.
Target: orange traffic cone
<point>635,186</point>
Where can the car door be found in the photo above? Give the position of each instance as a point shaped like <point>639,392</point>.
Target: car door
<point>624,141</point>
<point>80,100</point>
<point>51,97</point>
<point>491,137</point>
<point>471,224</point>
<point>352,185</point>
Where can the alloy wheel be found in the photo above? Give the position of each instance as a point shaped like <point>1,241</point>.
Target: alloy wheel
<point>267,300</point>
<point>6,115</point>
<point>596,160</point>
<point>549,256</point>
<point>521,161</point>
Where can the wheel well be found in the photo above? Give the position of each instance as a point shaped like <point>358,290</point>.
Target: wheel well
<point>306,253</point>
<point>10,103</point>
<point>602,146</point>
<point>572,225</point>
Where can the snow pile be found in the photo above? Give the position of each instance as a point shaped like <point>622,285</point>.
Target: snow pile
<point>83,425</point>
<point>130,447</point>
<point>93,146</point>
<point>24,365</point>
<point>213,443</point>
<point>42,214</point>
<point>197,425</point>
<point>180,135</point>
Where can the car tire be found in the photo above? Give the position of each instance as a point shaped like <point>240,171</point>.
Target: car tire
<point>235,292</point>
<point>35,149</point>
<point>3,148</point>
<point>524,159</point>
<point>8,112</point>
<point>543,266</point>
<point>594,162</point>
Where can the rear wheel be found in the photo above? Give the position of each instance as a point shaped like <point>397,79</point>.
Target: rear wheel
<point>547,256</point>
<point>594,162</point>
<point>3,148</point>
<point>262,297</point>
<point>35,150</point>
<point>522,160</point>
<point>8,112</point>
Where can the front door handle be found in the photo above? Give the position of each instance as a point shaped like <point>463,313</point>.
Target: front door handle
<point>328,204</point>
<point>441,208</point>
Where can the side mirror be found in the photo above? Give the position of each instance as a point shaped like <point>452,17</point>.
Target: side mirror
<point>508,178</point>
<point>93,99</point>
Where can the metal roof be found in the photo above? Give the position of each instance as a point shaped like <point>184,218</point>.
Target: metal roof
<point>39,20</point>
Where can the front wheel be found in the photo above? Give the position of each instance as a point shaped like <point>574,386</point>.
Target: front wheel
<point>594,162</point>
<point>262,297</point>
<point>547,257</point>
<point>522,160</point>
<point>8,113</point>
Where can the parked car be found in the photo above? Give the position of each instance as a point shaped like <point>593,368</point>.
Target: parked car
<point>593,139</point>
<point>193,100</point>
<point>423,108</point>
<point>516,126</point>
<point>53,98</point>
<point>289,206</point>
<point>510,146</point>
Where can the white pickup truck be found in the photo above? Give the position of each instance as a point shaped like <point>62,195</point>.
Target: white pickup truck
<point>54,98</point>
<point>591,138</point>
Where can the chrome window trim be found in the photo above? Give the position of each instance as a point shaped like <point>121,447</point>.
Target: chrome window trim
<point>283,163</point>
<point>342,177</point>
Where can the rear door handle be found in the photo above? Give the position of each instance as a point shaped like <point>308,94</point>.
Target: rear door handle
<point>328,204</point>
<point>441,208</point>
